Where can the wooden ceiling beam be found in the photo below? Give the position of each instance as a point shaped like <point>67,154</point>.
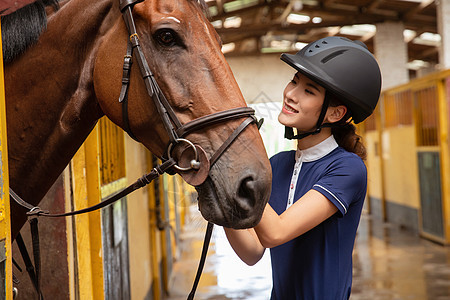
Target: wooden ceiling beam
<point>267,17</point>
<point>372,6</point>
<point>249,9</point>
<point>421,6</point>
<point>359,19</point>
<point>219,4</point>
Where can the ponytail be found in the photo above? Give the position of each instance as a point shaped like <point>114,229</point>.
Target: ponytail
<point>344,131</point>
<point>345,134</point>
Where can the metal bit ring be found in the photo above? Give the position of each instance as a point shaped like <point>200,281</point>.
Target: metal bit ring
<point>195,163</point>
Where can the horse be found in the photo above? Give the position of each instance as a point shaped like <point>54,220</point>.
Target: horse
<point>63,83</point>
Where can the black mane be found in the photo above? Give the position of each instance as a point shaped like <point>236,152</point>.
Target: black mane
<point>23,27</point>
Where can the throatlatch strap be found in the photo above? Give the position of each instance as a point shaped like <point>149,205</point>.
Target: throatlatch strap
<point>123,98</point>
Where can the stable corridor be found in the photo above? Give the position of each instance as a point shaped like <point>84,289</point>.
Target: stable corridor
<point>390,263</point>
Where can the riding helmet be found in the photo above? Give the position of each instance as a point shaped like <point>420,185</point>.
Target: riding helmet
<point>344,68</point>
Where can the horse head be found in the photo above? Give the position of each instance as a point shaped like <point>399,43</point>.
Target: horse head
<point>184,54</point>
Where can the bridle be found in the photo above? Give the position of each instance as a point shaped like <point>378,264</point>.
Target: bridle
<point>195,172</point>
<point>176,131</point>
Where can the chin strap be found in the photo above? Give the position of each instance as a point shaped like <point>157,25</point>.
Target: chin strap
<point>289,131</point>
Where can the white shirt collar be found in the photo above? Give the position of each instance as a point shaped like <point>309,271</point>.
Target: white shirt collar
<point>318,151</point>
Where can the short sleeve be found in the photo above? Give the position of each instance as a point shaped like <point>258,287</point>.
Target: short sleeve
<point>344,182</point>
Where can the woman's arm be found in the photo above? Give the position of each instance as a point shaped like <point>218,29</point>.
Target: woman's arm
<point>306,213</point>
<point>246,244</point>
<point>273,230</point>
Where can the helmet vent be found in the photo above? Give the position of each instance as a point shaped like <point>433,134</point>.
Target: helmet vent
<point>332,55</point>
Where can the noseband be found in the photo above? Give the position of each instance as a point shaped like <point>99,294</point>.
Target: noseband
<point>176,131</point>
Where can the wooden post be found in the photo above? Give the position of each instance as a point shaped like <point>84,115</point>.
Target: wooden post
<point>87,238</point>
<point>444,114</point>
<point>5,223</point>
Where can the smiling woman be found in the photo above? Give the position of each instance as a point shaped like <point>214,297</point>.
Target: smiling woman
<point>318,190</point>
<point>302,104</point>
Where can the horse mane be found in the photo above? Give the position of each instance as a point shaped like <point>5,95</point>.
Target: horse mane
<point>23,27</point>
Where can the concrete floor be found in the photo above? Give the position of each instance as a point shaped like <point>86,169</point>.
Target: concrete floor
<point>390,263</point>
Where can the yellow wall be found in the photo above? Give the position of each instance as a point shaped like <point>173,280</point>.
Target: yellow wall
<point>138,230</point>
<point>5,226</point>
<point>400,166</point>
<point>173,210</point>
<point>374,170</point>
<point>165,255</point>
<point>182,201</point>
<point>444,115</point>
<point>155,240</point>
<point>149,257</point>
<point>412,118</point>
<point>85,246</point>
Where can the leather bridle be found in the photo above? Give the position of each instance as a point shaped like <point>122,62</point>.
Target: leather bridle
<point>176,132</point>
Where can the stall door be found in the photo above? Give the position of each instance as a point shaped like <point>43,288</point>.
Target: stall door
<point>115,247</point>
<point>427,124</point>
<point>430,194</point>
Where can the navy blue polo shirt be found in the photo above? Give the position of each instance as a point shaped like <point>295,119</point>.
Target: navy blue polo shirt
<point>318,264</point>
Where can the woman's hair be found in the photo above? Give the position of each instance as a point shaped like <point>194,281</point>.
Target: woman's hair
<point>345,132</point>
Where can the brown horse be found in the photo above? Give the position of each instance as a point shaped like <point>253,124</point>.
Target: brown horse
<point>60,86</point>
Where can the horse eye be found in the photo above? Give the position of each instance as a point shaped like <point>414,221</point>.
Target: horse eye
<point>166,37</point>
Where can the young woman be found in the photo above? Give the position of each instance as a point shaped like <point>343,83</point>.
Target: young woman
<point>318,190</point>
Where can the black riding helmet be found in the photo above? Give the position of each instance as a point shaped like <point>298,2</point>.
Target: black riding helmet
<point>346,69</point>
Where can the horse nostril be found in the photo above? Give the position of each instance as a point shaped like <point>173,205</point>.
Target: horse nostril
<point>247,193</point>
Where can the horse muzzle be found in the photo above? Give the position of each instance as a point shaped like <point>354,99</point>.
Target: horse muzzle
<point>243,207</point>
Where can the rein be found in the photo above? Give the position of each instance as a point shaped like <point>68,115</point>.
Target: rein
<point>194,173</point>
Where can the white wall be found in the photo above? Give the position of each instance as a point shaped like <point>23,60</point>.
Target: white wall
<point>443,21</point>
<point>391,53</point>
<point>262,80</point>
